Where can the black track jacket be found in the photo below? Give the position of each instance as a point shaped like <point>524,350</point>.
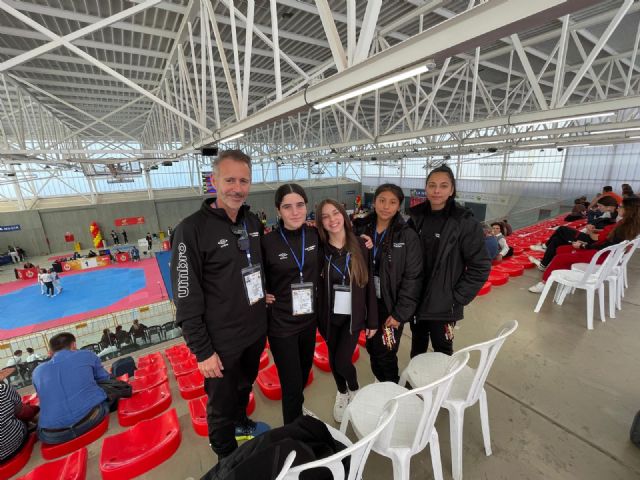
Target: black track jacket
<point>400,267</point>
<point>461,267</point>
<point>208,289</point>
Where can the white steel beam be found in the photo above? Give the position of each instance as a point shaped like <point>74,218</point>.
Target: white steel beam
<point>330,30</point>
<point>367,31</point>
<point>276,48</point>
<point>533,82</point>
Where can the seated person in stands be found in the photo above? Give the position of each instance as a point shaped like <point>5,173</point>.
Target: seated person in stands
<point>579,251</point>
<point>16,359</point>
<point>578,212</point>
<point>14,417</point>
<point>107,339</point>
<point>33,356</point>
<point>122,336</point>
<point>508,229</point>
<point>137,330</point>
<point>607,206</point>
<point>593,211</point>
<point>490,242</point>
<point>91,254</point>
<point>497,229</point>
<point>28,265</point>
<point>627,191</point>
<point>71,400</point>
<point>76,255</point>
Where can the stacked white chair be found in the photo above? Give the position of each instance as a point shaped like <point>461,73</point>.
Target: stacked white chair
<point>414,426</point>
<point>617,279</point>
<point>358,452</point>
<point>590,280</point>
<point>466,391</point>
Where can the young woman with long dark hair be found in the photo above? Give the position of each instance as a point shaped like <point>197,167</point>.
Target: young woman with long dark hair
<point>396,262</point>
<point>347,297</point>
<point>455,262</point>
<point>291,264</point>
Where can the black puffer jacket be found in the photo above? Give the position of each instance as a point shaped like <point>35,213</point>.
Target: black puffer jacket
<point>400,267</point>
<point>461,268</point>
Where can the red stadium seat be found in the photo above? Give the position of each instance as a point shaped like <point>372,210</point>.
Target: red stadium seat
<point>191,385</point>
<point>321,356</point>
<point>13,466</point>
<point>145,383</point>
<point>151,359</point>
<point>150,369</point>
<point>142,447</point>
<point>498,278</point>
<point>144,405</point>
<point>486,288</point>
<point>517,249</point>
<point>269,383</point>
<point>71,467</point>
<point>198,413</point>
<point>513,269</point>
<point>264,359</point>
<point>185,367</point>
<point>49,452</point>
<point>535,254</point>
<point>32,400</point>
<point>524,261</point>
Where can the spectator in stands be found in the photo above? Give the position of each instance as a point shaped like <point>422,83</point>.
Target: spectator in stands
<point>607,206</point>
<point>490,242</point>
<point>15,256</point>
<point>33,356</point>
<point>14,417</point>
<point>149,242</point>
<point>169,232</point>
<point>107,339</point>
<point>456,264</point>
<point>497,228</point>
<point>91,254</point>
<point>71,400</point>
<point>627,228</point>
<point>508,229</point>
<point>122,337</point>
<point>124,236</point>
<point>28,265</point>
<point>137,330</point>
<point>607,191</point>
<point>578,212</point>
<point>16,361</point>
<point>627,191</point>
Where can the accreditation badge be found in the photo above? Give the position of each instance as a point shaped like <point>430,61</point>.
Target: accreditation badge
<point>302,298</point>
<point>252,281</point>
<point>342,300</point>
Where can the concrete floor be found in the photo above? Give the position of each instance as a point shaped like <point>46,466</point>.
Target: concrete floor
<point>561,398</point>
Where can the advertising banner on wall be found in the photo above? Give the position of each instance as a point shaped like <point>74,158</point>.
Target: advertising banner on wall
<point>417,196</point>
<point>207,184</point>
<point>86,263</point>
<point>123,222</point>
<point>9,228</point>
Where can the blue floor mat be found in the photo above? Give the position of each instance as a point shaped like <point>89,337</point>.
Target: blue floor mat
<point>81,292</point>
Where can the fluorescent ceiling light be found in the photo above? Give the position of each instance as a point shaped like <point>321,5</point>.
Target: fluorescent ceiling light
<point>483,143</point>
<point>615,130</point>
<point>599,146</point>
<point>372,86</point>
<point>565,119</point>
<point>232,137</point>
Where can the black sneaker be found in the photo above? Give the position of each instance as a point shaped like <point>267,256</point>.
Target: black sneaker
<point>248,429</point>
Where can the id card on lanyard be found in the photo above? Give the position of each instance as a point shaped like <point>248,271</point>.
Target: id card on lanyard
<point>376,245</point>
<point>252,274</point>
<point>301,293</point>
<point>342,293</point>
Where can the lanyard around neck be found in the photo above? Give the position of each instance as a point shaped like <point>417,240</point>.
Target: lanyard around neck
<point>344,271</point>
<point>376,244</point>
<point>300,262</point>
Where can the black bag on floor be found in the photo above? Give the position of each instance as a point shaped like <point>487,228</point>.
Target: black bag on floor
<point>635,430</point>
<point>122,366</point>
<point>262,458</point>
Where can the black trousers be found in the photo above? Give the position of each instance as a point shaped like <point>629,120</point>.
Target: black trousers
<point>293,357</point>
<point>384,362</point>
<point>341,345</point>
<point>562,236</point>
<point>229,395</point>
<point>49,286</point>
<point>440,333</point>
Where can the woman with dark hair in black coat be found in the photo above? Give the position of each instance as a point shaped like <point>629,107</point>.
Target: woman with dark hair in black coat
<point>292,268</point>
<point>455,263</point>
<point>396,262</point>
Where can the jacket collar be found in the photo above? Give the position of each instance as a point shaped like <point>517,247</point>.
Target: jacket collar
<point>209,208</point>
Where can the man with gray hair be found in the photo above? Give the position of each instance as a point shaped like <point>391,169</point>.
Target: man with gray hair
<point>217,281</point>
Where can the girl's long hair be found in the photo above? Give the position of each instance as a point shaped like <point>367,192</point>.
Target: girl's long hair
<point>629,227</point>
<point>358,268</point>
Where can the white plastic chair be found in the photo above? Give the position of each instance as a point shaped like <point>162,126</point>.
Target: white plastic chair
<point>615,278</point>
<point>466,391</point>
<point>590,281</point>
<point>414,426</point>
<point>358,452</point>
<point>287,465</point>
